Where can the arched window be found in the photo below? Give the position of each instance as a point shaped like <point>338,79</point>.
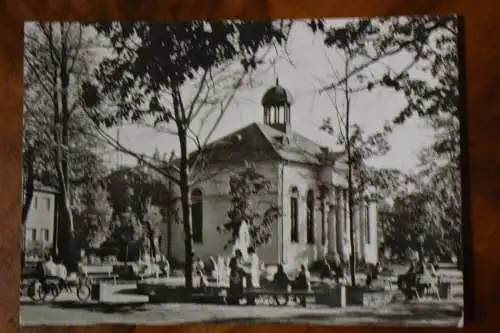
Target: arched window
<point>294,215</point>
<point>310,217</point>
<point>197,215</point>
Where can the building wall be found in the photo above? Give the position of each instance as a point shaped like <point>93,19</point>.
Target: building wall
<point>280,249</point>
<point>216,203</point>
<point>40,220</point>
<point>304,178</point>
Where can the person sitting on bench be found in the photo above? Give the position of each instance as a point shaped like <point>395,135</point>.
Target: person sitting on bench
<point>281,280</point>
<point>326,270</point>
<point>303,283</point>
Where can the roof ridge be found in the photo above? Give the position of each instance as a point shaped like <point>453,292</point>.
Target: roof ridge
<point>262,132</point>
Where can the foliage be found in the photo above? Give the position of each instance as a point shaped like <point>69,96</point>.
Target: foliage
<point>138,189</point>
<point>246,189</point>
<point>55,134</point>
<point>92,220</point>
<point>146,196</point>
<point>431,43</point>
<point>127,234</point>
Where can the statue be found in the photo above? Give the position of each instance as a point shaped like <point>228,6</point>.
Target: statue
<point>243,241</point>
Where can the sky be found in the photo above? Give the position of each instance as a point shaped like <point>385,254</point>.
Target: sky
<point>305,69</point>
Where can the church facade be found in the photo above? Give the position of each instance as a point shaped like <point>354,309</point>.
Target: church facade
<point>308,184</point>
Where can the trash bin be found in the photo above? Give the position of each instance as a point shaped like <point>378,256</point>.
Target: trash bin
<point>95,291</point>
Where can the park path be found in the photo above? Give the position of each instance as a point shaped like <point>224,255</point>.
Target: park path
<point>68,312</point>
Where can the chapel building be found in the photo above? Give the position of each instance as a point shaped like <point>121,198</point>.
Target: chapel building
<point>309,185</point>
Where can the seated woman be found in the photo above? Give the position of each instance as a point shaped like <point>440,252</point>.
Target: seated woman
<point>303,283</point>
<point>281,280</point>
<point>326,270</point>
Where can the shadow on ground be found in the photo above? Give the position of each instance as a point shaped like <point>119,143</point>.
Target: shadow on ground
<point>423,313</point>
<point>128,308</point>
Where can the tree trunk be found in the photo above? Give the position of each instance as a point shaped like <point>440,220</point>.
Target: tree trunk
<point>29,184</point>
<point>186,213</point>
<point>349,185</point>
<point>66,228</point>
<point>29,188</point>
<point>180,116</point>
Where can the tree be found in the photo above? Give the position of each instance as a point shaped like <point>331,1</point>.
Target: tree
<point>148,78</point>
<point>147,196</point>
<point>92,219</point>
<point>351,49</point>
<point>246,189</point>
<point>55,56</point>
<point>430,43</point>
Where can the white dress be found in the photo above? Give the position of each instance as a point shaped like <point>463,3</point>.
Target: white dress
<point>254,264</point>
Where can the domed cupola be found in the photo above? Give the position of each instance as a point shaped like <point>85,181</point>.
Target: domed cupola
<point>277,102</point>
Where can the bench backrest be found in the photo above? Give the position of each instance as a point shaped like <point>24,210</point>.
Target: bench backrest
<point>87,269</point>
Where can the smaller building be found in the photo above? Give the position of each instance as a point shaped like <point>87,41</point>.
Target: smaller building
<point>39,227</point>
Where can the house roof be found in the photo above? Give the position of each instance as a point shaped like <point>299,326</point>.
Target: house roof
<point>259,142</point>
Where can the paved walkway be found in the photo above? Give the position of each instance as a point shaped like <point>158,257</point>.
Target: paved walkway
<point>66,311</point>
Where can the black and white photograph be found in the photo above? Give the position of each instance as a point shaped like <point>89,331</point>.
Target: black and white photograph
<point>284,171</point>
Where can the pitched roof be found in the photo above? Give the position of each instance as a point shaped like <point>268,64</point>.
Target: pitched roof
<point>260,142</point>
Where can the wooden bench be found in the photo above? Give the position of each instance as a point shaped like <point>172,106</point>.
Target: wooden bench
<point>99,273</point>
<point>271,296</point>
<point>94,277</point>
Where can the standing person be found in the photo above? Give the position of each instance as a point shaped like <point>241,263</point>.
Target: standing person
<point>253,272</point>
<point>236,277</point>
<point>198,268</point>
<point>210,267</point>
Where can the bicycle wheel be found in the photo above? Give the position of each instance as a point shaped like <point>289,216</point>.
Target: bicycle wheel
<point>83,292</point>
<point>49,291</point>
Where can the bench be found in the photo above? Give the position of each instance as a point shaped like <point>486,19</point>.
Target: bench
<point>100,277</point>
<point>99,273</point>
<point>271,296</point>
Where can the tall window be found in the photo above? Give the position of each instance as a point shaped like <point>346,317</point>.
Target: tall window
<point>197,215</point>
<point>310,217</point>
<point>367,224</point>
<point>46,235</point>
<point>294,215</point>
<point>47,202</point>
<point>33,234</point>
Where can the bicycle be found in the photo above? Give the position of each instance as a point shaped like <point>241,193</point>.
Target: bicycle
<point>48,289</point>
